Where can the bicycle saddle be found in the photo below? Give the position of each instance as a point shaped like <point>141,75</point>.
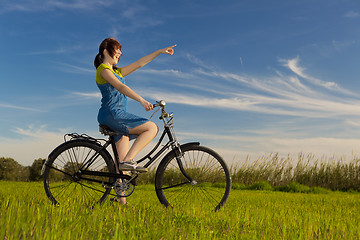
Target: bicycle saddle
<point>105,130</point>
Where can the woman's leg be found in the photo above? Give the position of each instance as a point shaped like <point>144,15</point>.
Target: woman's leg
<point>146,132</point>
<point>122,148</point>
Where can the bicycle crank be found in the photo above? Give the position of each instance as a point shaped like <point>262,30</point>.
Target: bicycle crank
<point>123,187</point>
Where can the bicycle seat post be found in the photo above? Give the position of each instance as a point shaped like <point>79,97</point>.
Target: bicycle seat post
<point>105,130</point>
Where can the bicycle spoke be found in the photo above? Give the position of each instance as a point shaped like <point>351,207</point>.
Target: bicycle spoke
<point>176,185</point>
<point>61,189</point>
<point>63,181</point>
<point>208,173</point>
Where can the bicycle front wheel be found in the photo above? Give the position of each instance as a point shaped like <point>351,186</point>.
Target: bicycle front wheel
<point>63,179</point>
<point>198,179</point>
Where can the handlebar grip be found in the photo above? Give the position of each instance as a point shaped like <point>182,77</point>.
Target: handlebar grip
<point>160,103</point>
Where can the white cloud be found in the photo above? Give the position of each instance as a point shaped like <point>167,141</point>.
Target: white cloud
<point>293,65</point>
<point>37,142</point>
<point>199,62</point>
<point>256,147</point>
<point>340,45</point>
<point>96,95</point>
<point>58,50</point>
<point>34,142</point>
<point>134,16</point>
<point>354,122</point>
<point>47,52</point>
<point>297,106</point>
<point>352,14</point>
<point>167,72</point>
<point>70,68</point>
<point>295,94</point>
<point>279,94</point>
<point>11,106</point>
<point>45,5</point>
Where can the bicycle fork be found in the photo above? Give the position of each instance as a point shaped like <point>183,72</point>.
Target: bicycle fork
<point>179,155</point>
<point>175,146</point>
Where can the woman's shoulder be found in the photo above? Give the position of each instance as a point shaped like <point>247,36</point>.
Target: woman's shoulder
<point>100,79</point>
<point>104,66</point>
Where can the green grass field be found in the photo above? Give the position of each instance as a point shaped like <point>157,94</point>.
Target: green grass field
<point>26,213</point>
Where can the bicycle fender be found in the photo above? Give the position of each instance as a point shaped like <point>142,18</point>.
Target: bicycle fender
<point>190,143</point>
<point>55,149</point>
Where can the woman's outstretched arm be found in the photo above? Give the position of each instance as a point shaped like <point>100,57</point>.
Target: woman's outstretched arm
<point>145,60</point>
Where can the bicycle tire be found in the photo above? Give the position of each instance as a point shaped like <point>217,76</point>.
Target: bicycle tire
<point>212,184</point>
<point>60,182</point>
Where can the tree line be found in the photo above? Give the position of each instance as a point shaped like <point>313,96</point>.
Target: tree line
<point>11,170</point>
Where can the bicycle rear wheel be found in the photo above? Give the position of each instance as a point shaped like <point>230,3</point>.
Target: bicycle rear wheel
<point>210,185</point>
<point>65,184</point>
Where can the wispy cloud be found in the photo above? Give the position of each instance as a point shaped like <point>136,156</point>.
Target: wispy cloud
<point>296,94</point>
<point>35,141</point>
<point>134,16</point>
<point>16,107</point>
<point>293,65</point>
<point>168,73</point>
<point>260,146</point>
<point>341,45</point>
<point>56,51</point>
<point>96,95</point>
<point>45,5</point>
<point>275,94</point>
<point>34,131</point>
<point>198,61</point>
<point>46,52</point>
<point>297,106</point>
<point>71,68</point>
<point>352,14</point>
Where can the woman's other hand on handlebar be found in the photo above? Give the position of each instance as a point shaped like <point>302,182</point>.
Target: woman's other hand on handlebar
<point>147,106</point>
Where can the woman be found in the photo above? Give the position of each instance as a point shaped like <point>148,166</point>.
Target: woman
<point>113,112</point>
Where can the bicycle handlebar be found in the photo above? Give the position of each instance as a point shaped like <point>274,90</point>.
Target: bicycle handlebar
<point>164,114</point>
<point>160,103</point>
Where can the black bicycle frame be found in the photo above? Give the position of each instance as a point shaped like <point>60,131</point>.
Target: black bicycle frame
<point>111,141</point>
<point>171,142</point>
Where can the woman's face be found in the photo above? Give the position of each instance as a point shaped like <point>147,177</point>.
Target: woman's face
<point>117,55</point>
<point>115,59</point>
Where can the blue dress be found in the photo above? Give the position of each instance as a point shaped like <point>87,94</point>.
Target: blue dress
<point>113,106</point>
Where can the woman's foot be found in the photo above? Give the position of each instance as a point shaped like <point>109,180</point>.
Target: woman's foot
<point>131,166</point>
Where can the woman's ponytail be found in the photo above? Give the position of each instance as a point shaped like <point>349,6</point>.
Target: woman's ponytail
<point>98,60</point>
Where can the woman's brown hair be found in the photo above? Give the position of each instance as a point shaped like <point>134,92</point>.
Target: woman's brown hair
<point>111,45</point>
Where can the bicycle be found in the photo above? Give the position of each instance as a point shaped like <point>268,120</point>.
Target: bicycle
<point>187,174</point>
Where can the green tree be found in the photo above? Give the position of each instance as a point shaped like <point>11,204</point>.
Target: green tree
<point>35,170</point>
<point>11,170</point>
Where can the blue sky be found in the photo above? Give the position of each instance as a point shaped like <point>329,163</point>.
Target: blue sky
<point>248,78</point>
